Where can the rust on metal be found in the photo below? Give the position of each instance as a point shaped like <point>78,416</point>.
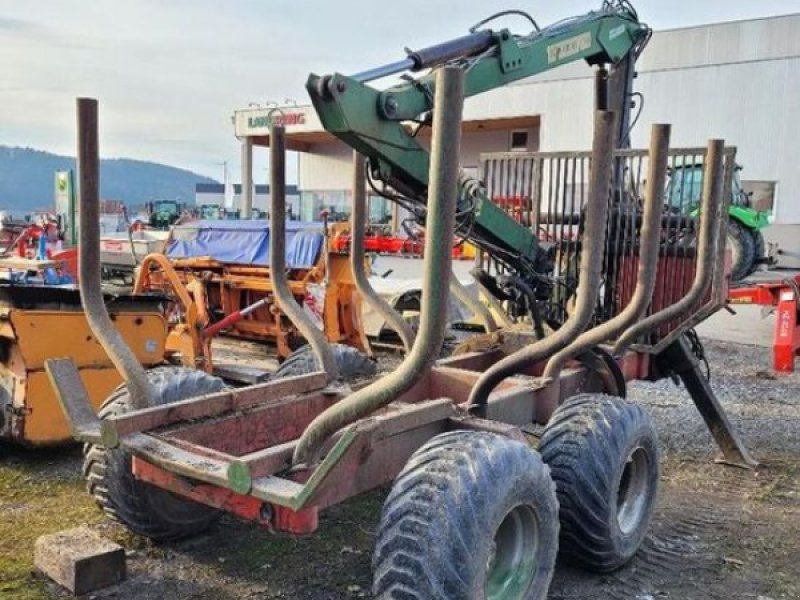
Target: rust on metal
<point>214,404</point>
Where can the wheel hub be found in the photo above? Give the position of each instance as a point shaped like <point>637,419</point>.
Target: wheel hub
<point>632,492</point>
<point>512,557</point>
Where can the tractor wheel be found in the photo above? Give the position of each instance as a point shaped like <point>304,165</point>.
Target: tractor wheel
<point>352,364</point>
<point>759,246</point>
<point>141,507</point>
<point>603,456</point>
<point>743,250</point>
<point>472,515</point>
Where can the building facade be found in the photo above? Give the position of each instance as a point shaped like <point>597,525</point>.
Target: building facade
<point>739,81</point>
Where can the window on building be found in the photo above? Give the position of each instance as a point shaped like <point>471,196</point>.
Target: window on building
<point>519,140</point>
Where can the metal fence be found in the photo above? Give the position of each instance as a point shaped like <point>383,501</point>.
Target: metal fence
<point>547,191</point>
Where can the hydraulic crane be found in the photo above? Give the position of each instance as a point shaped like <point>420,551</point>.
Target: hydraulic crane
<point>382,124</point>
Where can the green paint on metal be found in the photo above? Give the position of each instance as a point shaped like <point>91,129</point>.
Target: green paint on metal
<point>299,500</point>
<point>586,38</point>
<point>510,56</point>
<point>349,114</point>
<point>749,217</point>
<point>496,221</point>
<point>239,479</point>
<point>333,457</point>
<point>685,186</point>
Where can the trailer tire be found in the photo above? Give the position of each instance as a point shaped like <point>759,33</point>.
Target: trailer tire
<point>743,249</point>
<point>603,456</point>
<point>472,515</point>
<point>352,364</point>
<point>141,507</point>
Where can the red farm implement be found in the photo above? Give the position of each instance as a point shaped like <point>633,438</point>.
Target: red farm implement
<point>784,296</point>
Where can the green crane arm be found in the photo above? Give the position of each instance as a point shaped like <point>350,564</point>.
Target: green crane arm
<point>375,122</point>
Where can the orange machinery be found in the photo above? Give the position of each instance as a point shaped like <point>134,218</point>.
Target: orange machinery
<point>217,275</point>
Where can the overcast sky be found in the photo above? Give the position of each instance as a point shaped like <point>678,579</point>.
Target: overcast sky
<point>169,73</point>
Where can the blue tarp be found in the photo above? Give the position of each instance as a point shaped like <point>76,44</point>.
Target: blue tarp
<point>246,242</point>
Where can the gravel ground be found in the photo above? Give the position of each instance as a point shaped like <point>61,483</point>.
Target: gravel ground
<point>764,408</point>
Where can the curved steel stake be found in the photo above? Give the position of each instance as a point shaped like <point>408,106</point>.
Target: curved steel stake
<point>89,259</point>
<point>707,242</point>
<point>590,270</point>
<point>277,255</point>
<point>648,259</point>
<point>357,260</point>
<point>440,225</point>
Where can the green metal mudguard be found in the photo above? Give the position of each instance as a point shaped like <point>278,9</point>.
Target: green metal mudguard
<point>749,217</point>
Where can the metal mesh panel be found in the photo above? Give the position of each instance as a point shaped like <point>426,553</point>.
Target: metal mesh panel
<point>548,192</point>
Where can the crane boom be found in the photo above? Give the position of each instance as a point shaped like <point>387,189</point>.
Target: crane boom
<point>376,123</point>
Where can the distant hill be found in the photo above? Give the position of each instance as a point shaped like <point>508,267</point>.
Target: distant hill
<point>26,179</point>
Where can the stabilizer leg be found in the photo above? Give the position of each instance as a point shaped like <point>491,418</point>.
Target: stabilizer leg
<point>677,358</point>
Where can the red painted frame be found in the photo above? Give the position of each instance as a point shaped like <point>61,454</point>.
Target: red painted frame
<point>785,297</point>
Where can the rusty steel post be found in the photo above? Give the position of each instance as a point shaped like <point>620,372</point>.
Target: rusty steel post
<point>277,255</point>
<point>440,224</point>
<point>648,258</point>
<point>358,221</point>
<point>590,275</point>
<point>707,244</point>
<point>89,280</point>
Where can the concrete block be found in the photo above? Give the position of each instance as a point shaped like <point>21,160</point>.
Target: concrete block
<point>80,560</point>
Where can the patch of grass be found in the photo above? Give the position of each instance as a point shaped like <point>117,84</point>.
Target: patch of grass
<point>40,492</point>
<point>337,556</point>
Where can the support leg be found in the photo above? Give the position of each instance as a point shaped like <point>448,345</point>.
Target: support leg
<point>787,336</point>
<point>678,358</point>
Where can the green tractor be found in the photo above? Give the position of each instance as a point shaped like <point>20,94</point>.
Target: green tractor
<point>745,239</point>
<point>164,213</point>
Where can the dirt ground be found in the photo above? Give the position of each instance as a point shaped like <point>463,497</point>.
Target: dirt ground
<point>719,532</point>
